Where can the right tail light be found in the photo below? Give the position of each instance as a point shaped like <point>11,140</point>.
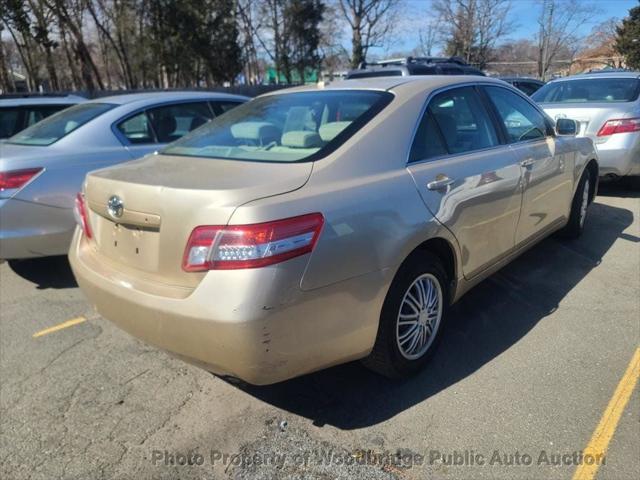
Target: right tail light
<point>251,246</point>
<point>14,179</point>
<point>619,125</point>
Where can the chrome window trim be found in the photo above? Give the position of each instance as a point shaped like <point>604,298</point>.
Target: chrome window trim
<point>432,94</point>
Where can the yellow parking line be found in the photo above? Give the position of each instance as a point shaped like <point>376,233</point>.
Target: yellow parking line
<point>60,326</point>
<point>608,423</point>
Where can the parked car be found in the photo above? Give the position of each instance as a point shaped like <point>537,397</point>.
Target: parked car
<point>402,67</point>
<point>18,112</point>
<point>527,85</point>
<point>43,167</point>
<point>607,109</point>
<point>315,226</point>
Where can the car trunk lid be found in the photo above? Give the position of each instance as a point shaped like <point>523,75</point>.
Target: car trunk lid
<point>590,117</point>
<point>142,213</point>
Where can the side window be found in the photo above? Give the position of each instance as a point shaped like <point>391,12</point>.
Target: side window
<point>173,121</point>
<point>221,107</point>
<point>428,142</point>
<point>137,129</point>
<point>521,120</point>
<point>527,87</point>
<point>10,121</point>
<point>463,120</point>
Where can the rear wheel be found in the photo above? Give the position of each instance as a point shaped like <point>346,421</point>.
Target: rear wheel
<point>411,317</point>
<point>579,208</point>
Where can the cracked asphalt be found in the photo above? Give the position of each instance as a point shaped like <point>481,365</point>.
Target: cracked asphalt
<point>528,363</point>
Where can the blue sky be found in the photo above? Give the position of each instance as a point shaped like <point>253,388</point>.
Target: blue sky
<point>523,12</point>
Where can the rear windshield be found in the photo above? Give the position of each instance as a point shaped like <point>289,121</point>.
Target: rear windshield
<point>53,128</point>
<point>14,119</point>
<point>597,90</point>
<point>283,128</point>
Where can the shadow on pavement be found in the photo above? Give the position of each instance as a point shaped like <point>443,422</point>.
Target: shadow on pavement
<point>484,323</point>
<point>624,188</point>
<point>46,272</point>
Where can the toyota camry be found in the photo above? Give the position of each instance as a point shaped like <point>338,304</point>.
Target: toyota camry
<point>314,226</point>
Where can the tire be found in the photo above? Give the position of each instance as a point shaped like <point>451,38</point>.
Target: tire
<point>391,355</point>
<point>579,208</point>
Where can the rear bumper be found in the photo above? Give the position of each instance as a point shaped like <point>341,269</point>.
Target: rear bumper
<point>257,324</point>
<point>30,230</point>
<point>619,155</point>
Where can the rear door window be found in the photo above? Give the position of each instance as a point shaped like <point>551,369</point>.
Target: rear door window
<point>171,122</point>
<point>221,107</point>
<point>527,87</point>
<point>137,129</point>
<point>521,119</point>
<point>463,120</point>
<point>428,142</point>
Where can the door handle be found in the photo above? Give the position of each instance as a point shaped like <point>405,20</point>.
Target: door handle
<point>442,182</point>
<point>528,162</point>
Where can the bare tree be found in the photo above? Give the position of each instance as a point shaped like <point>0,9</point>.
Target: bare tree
<point>428,37</point>
<point>559,22</point>
<point>471,28</point>
<point>371,23</point>
<point>249,25</point>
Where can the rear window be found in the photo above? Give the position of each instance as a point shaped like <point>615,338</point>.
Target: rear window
<point>283,128</point>
<point>597,90</point>
<point>53,128</point>
<point>14,119</point>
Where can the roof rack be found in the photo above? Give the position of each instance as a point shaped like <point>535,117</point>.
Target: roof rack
<point>13,95</point>
<point>411,60</point>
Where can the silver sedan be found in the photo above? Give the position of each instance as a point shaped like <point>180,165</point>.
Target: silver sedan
<point>606,107</point>
<point>320,225</point>
<point>42,168</point>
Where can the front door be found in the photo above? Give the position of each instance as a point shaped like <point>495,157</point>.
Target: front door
<point>468,180</point>
<point>547,177</point>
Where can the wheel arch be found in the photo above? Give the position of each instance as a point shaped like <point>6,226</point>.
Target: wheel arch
<point>592,168</point>
<point>446,253</point>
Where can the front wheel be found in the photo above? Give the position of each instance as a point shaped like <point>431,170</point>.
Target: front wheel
<point>579,208</point>
<point>411,317</point>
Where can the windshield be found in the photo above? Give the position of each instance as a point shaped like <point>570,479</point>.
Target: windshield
<point>53,128</point>
<point>283,128</point>
<point>597,90</point>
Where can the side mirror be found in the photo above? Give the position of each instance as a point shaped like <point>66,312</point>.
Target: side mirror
<point>566,127</point>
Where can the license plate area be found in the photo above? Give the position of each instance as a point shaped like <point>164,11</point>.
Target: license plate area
<point>132,245</point>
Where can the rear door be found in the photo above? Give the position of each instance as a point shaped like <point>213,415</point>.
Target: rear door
<point>468,179</point>
<point>547,164</point>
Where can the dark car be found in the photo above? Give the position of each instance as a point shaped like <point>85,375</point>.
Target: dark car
<point>18,112</point>
<point>526,85</point>
<point>402,67</point>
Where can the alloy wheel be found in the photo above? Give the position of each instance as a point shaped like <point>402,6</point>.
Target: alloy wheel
<point>419,316</point>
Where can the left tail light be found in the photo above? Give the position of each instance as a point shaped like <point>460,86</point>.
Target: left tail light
<point>621,125</point>
<point>251,246</point>
<point>81,215</point>
<point>17,178</point>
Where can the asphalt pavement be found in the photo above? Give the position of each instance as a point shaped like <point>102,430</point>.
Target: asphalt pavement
<point>535,367</point>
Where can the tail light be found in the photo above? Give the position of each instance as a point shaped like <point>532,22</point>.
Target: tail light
<point>17,178</point>
<point>251,246</point>
<point>80,214</point>
<point>621,125</point>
